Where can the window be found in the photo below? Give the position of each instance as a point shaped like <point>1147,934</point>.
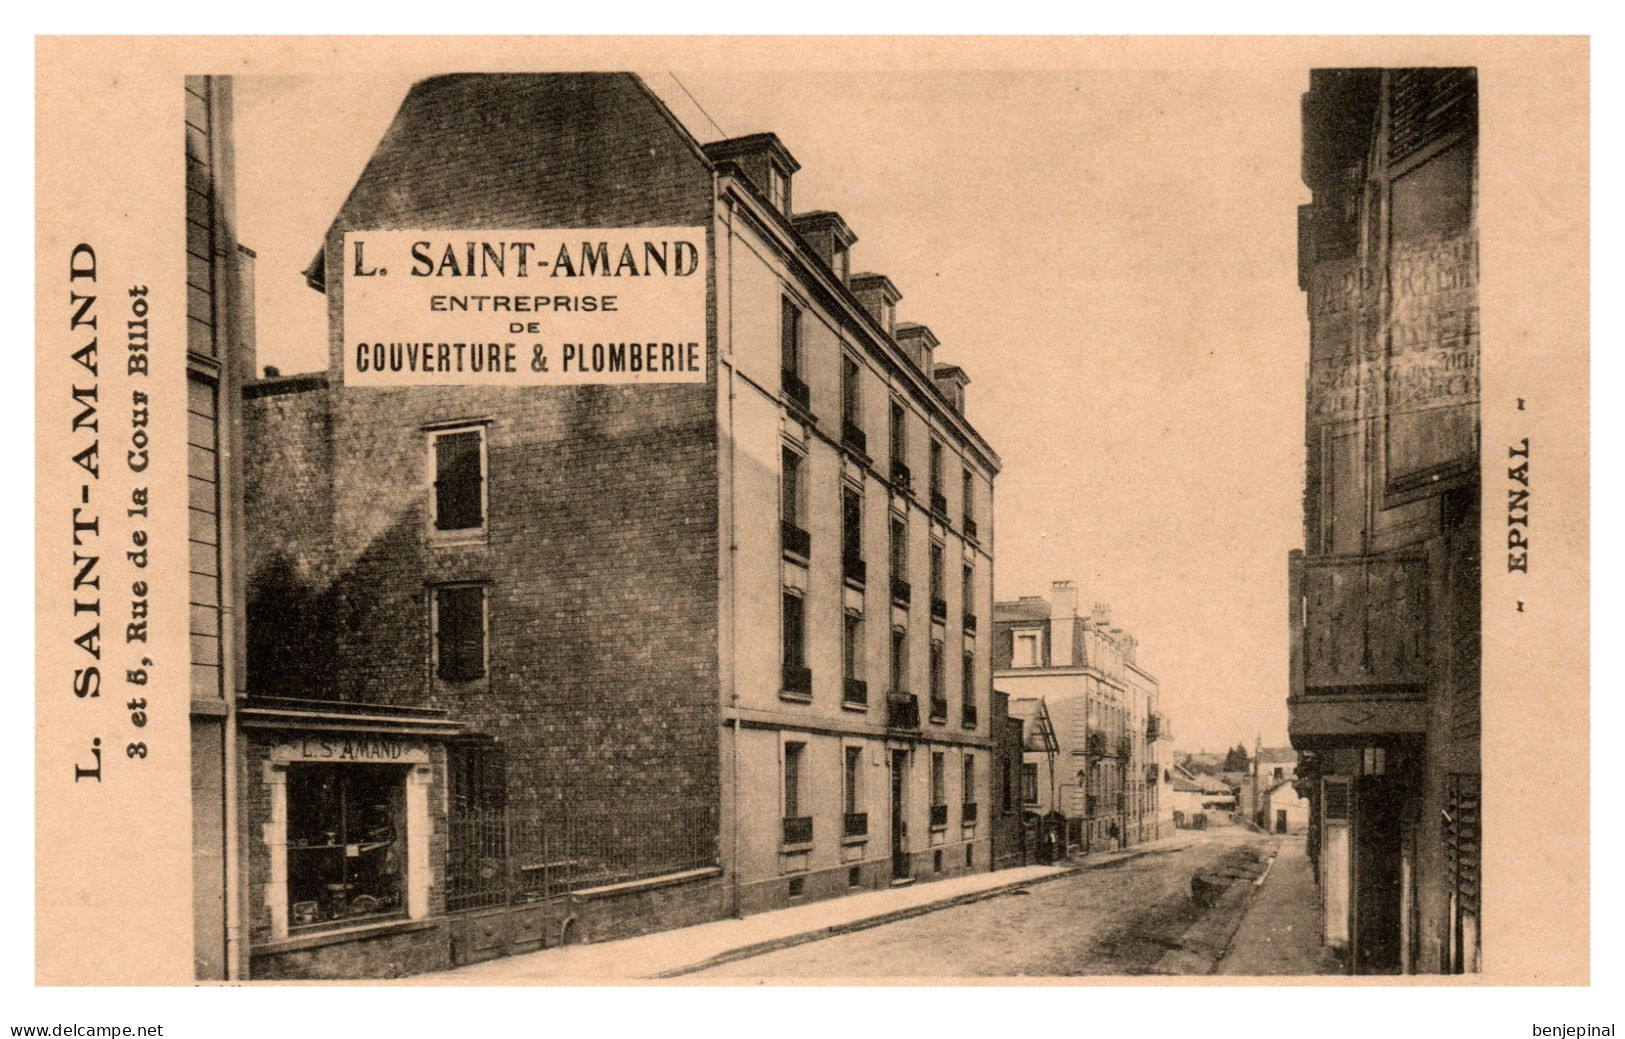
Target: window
<point>899,660</point>
<point>899,549</point>
<point>851,402</point>
<point>793,779</point>
<point>936,679</point>
<point>852,532</point>
<point>346,844</point>
<point>852,648</point>
<point>939,789</point>
<point>789,336</point>
<point>852,796</point>
<point>793,490</point>
<point>1025,649</point>
<point>967,494</point>
<point>967,596</point>
<point>795,631</point>
<point>936,467</point>
<point>968,795</point>
<point>1029,782</point>
<point>778,188</point>
<point>937,591</point>
<point>899,442</point>
<point>968,686</point>
<point>459,479</point>
<point>459,632</point>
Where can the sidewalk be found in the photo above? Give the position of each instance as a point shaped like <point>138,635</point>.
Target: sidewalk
<point>1280,933</point>
<point>671,953</point>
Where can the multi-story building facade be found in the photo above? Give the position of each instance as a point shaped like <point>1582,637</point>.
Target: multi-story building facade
<point>1104,708</point>
<point>534,665</point>
<point>1384,597</point>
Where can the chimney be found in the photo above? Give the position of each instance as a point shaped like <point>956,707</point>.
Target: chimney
<point>764,161</point>
<point>1101,615</point>
<point>1063,622</point>
<point>828,236</point>
<point>951,380</point>
<point>918,342</point>
<point>247,363</point>
<point>878,296</point>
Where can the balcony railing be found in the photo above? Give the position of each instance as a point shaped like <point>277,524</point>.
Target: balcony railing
<point>939,815</point>
<point>967,812</point>
<point>1152,774</point>
<point>970,622</point>
<point>901,479</point>
<point>855,569</point>
<point>901,591</point>
<point>796,541</point>
<point>1125,749</point>
<point>795,389</point>
<point>856,824</point>
<point>967,715</point>
<point>939,608</point>
<point>1095,745</point>
<point>797,680</point>
<point>798,829</point>
<point>853,436</point>
<point>1156,728</point>
<point>970,529</point>
<point>856,692</point>
<point>939,709</point>
<point>939,504</point>
<point>903,711</point>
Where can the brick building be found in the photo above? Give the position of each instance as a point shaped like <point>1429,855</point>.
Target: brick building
<point>1384,598</point>
<point>1104,710</point>
<point>533,665</point>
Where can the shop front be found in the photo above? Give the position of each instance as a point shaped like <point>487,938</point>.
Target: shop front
<point>345,822</point>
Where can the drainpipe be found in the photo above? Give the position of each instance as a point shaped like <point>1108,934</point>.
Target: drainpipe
<point>733,572</point>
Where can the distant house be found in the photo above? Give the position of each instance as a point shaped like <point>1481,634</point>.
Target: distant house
<point>1196,794</point>
<point>1282,809</point>
<point>1270,766</point>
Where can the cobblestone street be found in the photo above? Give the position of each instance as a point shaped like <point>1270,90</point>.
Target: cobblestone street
<point>1131,917</point>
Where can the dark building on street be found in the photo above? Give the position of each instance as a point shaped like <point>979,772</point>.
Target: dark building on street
<point>1384,597</point>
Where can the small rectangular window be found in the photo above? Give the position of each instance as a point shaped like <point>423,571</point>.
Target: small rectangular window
<point>851,402</point>
<point>792,779</point>
<point>789,336</point>
<point>794,631</point>
<point>854,775</point>
<point>1029,782</point>
<point>899,443</point>
<point>460,632</point>
<point>899,661</point>
<point>459,479</point>
<point>1026,650</point>
<point>852,648</point>
<point>792,489</point>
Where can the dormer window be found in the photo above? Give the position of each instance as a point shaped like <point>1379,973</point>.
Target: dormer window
<point>778,188</point>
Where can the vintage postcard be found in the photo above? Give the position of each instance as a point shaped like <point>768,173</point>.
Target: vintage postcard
<point>709,510</point>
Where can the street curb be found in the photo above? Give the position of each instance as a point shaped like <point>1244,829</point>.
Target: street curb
<point>1247,905</point>
<point>746,952</point>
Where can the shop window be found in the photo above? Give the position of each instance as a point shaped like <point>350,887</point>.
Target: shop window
<point>459,627</point>
<point>459,479</point>
<point>346,843</point>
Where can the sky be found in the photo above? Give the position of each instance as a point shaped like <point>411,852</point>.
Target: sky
<point>1110,254</point>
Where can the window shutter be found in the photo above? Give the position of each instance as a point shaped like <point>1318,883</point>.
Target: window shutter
<point>461,636</point>
<point>457,489</point>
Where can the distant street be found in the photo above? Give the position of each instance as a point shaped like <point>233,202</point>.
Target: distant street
<point>1136,916</point>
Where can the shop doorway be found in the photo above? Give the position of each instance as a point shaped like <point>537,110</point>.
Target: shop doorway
<point>899,827</point>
